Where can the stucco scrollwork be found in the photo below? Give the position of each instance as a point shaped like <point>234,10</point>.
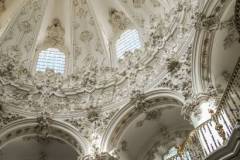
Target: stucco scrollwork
<point>138,3</point>
<point>179,79</point>
<point>6,118</point>
<point>86,36</point>
<point>43,126</point>
<point>118,20</point>
<point>192,104</point>
<point>99,156</point>
<point>55,36</point>
<point>142,70</point>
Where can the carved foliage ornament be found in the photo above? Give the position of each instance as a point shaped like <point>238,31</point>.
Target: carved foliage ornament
<point>43,126</point>
<point>173,65</point>
<point>179,76</point>
<point>212,21</point>
<point>99,156</point>
<point>109,85</point>
<point>6,118</point>
<point>138,3</point>
<point>232,34</point>
<point>94,123</point>
<point>55,33</point>
<point>118,20</point>
<point>191,105</point>
<point>86,36</point>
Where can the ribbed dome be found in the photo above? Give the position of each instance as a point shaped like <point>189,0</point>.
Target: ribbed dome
<point>102,52</point>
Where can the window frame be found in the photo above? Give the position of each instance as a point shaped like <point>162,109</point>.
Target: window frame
<point>113,41</point>
<point>120,36</point>
<point>48,56</point>
<point>45,47</point>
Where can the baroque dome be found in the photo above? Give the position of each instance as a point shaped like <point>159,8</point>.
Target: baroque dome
<point>118,79</point>
<point>86,32</point>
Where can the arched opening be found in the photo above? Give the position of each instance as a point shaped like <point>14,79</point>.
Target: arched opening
<point>51,58</point>
<point>128,41</point>
<point>150,132</point>
<point>43,135</point>
<point>34,147</point>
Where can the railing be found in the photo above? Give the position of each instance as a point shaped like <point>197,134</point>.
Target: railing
<point>214,133</point>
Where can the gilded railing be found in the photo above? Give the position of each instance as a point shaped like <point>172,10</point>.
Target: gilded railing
<point>237,15</point>
<point>214,133</point>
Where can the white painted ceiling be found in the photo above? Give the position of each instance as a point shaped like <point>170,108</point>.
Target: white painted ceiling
<point>224,59</point>
<point>140,140</point>
<point>29,148</point>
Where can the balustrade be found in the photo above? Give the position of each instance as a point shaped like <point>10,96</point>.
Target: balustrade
<point>215,132</point>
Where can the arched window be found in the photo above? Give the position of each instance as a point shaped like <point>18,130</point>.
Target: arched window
<point>51,58</point>
<point>128,41</point>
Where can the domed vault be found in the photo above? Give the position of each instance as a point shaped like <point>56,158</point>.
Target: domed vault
<point>86,63</point>
<point>82,35</point>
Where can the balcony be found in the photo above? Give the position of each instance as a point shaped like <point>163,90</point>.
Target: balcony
<point>217,137</point>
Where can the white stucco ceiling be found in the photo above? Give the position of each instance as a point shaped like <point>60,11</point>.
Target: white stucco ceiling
<point>28,148</point>
<point>141,139</point>
<point>224,59</point>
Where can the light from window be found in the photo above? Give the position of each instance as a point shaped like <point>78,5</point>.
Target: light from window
<point>51,58</point>
<point>128,41</point>
<point>171,152</point>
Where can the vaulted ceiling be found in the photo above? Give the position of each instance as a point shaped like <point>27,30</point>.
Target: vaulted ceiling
<point>97,87</point>
<point>86,31</point>
<point>33,147</point>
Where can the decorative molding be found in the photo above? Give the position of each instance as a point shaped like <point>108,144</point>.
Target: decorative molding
<point>107,85</point>
<point>55,34</point>
<point>207,25</point>
<point>43,126</point>
<point>179,76</point>
<point>118,20</point>
<point>99,156</point>
<point>43,129</point>
<point>237,15</point>
<point>191,105</point>
<point>138,3</point>
<point>6,118</point>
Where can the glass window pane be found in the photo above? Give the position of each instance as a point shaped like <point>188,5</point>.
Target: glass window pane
<point>51,58</point>
<point>128,41</point>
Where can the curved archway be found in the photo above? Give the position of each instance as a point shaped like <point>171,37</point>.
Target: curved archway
<point>54,129</point>
<point>215,50</point>
<point>135,131</point>
<point>33,147</point>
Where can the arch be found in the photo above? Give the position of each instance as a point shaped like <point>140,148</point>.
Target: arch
<point>162,96</point>
<point>129,40</point>
<point>57,129</point>
<point>51,58</point>
<point>206,29</point>
<point>63,49</point>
